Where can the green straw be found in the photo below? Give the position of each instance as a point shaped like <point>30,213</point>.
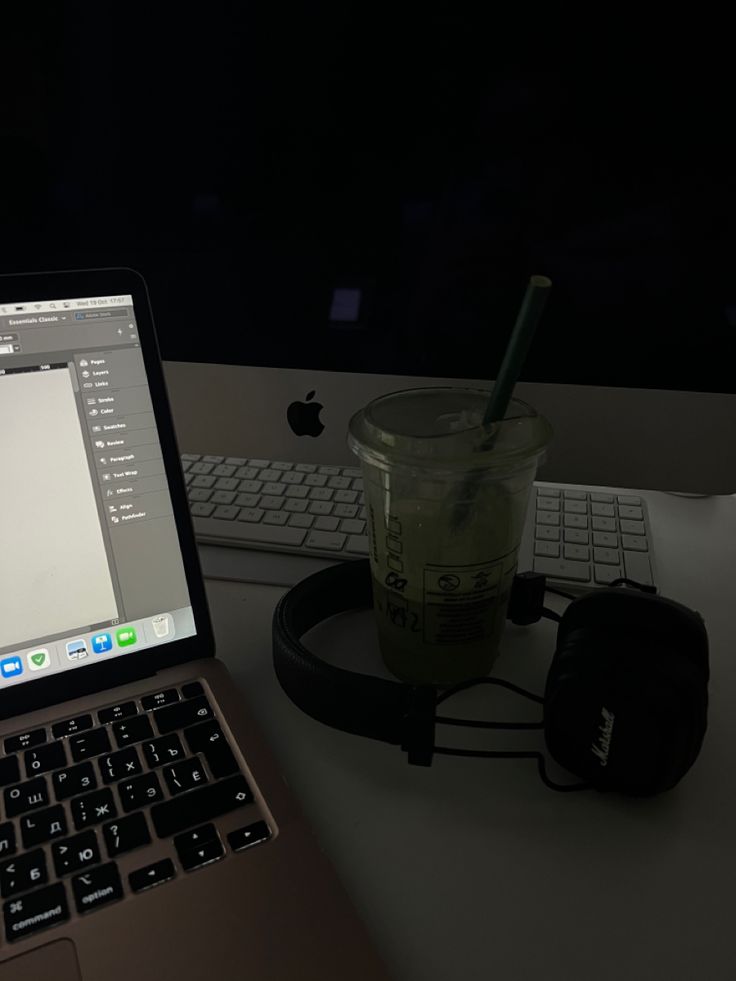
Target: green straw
<point>516,351</point>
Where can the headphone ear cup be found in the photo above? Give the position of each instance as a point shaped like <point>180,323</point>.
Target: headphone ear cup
<point>625,708</point>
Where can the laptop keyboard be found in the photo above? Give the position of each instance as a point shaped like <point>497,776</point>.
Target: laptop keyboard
<point>81,793</point>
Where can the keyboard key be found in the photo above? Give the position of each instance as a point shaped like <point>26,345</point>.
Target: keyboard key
<point>184,776</point>
<point>575,507</point>
<point>547,533</point>
<point>195,858</point>
<point>251,515</point>
<point>126,833</point>
<point>236,461</point>
<point>24,872</point>
<point>213,459</point>
<point>551,549</point>
<point>604,524</point>
<point>327,524</point>
<point>270,503</point>
<point>206,482</point>
<point>250,486</point>
<point>14,744</point>
<point>548,504</point>
<point>243,838</point>
<point>548,492</point>
<point>116,766</point>
<point>332,471</point>
<point>202,510</point>
<point>226,512</point>
<point>301,520</point>
<point>322,494</point>
<point>75,853</point>
<point>629,499</point>
<point>260,464</point>
<point>305,467</point>
<point>39,909</point>
<point>87,744</point>
<point>633,527</point>
<point>329,541</point>
<point>603,510</point>
<point>227,484</point>
<point>268,475</point>
<point>270,490</point>
<point>547,518</point>
<point>297,493</point>
<point>315,480</point>
<point>599,498</point>
<point>192,457</point>
<point>292,477</point>
<point>339,483</point>
<point>192,689</point>
<point>247,500</point>
<point>183,714</point>
<point>140,791</point>
<point>575,495</point>
<point>638,567</point>
<point>578,521</point>
<point>132,730</point>
<point>97,887</point>
<point>350,526</point>
<point>281,465</point>
<point>92,808</point>
<point>346,511</point>
<point>247,473</point>
<point>357,544</point>
<point>44,758</point>
<point>160,698</point>
<point>27,796</point>
<point>199,806</point>
<point>42,826</point>
<point>275,518</point>
<point>576,536</point>
<point>67,728</point>
<point>562,569</point>
<point>151,875</point>
<point>604,574</point>
<point>9,770</point>
<point>7,839</point>
<point>195,837</point>
<point>606,556</point>
<point>115,712</point>
<point>636,543</point>
<point>224,470</point>
<point>74,780</point>
<point>209,740</point>
<point>223,497</point>
<point>166,749</point>
<point>201,468</point>
<point>604,539</point>
<point>321,508</point>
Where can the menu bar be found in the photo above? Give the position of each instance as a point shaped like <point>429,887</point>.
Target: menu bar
<point>46,306</point>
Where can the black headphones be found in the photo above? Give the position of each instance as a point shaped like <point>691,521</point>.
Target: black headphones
<point>625,703</point>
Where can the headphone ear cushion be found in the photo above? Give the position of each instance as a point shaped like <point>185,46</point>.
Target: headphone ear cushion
<point>625,708</point>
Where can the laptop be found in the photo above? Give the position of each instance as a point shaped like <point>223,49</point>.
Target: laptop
<point>145,830</point>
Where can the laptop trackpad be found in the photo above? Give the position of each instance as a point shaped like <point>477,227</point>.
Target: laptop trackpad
<point>57,960</point>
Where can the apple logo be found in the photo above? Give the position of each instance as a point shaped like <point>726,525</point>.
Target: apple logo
<point>303,417</point>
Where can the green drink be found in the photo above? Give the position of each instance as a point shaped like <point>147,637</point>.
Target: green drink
<point>445,517</point>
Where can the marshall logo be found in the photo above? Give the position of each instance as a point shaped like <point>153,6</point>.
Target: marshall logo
<point>601,746</point>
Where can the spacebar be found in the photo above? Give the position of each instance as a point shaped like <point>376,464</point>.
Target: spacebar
<point>245,531</point>
<point>199,806</point>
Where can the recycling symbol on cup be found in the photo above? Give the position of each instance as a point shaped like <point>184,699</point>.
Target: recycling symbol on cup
<point>448,583</point>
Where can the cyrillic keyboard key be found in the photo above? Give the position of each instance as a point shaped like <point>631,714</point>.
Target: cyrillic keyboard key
<point>245,837</point>
<point>184,776</point>
<point>115,712</point>
<point>74,780</point>
<point>93,808</point>
<point>14,744</point>
<point>9,770</point>
<point>166,749</point>
<point>97,887</point>
<point>151,875</point>
<point>41,826</point>
<point>28,796</point>
<point>195,858</point>
<point>200,806</point>
<point>70,726</point>
<point>132,730</point>
<point>140,791</point>
<point>209,740</point>
<point>125,834</point>
<point>87,744</point>
<point>40,909</point>
<point>160,698</point>
<point>7,839</point>
<point>182,714</point>
<point>124,763</point>
<point>562,569</point>
<point>52,756</point>
<point>638,567</point>
<point>24,872</point>
<point>75,853</point>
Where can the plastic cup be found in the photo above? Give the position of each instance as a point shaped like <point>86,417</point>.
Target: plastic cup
<point>445,507</point>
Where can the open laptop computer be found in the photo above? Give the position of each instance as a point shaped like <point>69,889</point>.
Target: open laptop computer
<point>145,829</point>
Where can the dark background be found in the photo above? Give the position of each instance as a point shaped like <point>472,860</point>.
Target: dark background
<point>248,159</point>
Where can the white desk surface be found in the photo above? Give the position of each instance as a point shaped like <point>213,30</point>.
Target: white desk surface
<point>472,869</point>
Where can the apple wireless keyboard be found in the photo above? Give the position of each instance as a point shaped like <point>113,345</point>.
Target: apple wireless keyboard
<point>579,538</point>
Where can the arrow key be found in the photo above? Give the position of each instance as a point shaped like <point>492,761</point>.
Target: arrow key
<point>197,836</point>
<point>195,858</point>
<point>245,837</point>
<point>151,875</point>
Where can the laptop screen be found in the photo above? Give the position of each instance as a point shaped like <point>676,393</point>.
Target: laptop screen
<point>91,566</point>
